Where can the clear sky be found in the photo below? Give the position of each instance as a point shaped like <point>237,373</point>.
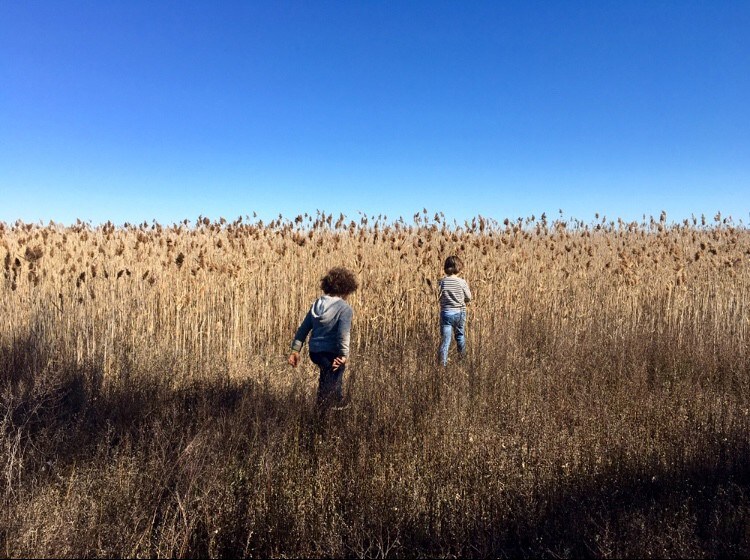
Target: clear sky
<point>140,110</point>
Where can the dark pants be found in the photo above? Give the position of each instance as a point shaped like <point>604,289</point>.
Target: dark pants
<point>330,384</point>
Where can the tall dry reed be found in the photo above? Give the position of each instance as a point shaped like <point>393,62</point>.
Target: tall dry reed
<point>602,409</point>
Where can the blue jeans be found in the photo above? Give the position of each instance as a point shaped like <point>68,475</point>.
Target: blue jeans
<point>451,321</point>
<point>330,384</point>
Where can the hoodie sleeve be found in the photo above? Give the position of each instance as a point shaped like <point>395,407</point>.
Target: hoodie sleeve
<point>344,330</point>
<point>302,332</point>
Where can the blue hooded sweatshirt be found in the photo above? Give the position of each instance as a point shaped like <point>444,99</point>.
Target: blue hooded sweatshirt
<point>330,319</point>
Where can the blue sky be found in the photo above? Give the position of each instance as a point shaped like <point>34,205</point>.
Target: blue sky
<point>135,110</point>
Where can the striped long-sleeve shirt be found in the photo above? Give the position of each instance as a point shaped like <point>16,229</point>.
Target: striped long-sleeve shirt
<point>454,293</point>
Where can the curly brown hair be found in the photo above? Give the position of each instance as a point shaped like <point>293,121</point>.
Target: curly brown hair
<point>339,282</point>
<point>453,265</point>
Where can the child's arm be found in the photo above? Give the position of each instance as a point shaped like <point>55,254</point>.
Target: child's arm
<point>344,337</point>
<point>467,292</point>
<point>299,339</point>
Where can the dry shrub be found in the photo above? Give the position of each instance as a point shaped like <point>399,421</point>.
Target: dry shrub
<point>602,410</point>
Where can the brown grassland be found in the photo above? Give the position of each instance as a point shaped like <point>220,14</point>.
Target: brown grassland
<point>603,409</point>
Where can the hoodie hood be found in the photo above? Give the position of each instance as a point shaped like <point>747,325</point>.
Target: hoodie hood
<point>323,307</point>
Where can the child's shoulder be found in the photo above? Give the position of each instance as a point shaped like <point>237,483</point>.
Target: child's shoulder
<point>461,280</point>
<point>452,278</point>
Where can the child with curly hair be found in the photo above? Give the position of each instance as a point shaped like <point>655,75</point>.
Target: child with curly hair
<point>330,320</point>
<point>454,294</point>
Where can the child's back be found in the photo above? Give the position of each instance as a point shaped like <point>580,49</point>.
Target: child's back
<point>330,319</point>
<point>454,293</point>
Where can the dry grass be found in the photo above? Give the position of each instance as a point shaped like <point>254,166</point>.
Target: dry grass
<point>603,410</point>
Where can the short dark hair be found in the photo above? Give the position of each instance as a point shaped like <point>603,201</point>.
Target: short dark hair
<point>453,265</point>
<point>339,282</point>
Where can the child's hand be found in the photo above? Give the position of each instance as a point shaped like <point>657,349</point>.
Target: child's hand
<point>293,359</point>
<point>338,362</point>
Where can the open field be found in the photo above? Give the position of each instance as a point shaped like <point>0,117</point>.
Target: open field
<point>146,408</point>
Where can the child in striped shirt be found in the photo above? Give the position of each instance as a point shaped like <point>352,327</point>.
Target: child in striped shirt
<point>454,294</point>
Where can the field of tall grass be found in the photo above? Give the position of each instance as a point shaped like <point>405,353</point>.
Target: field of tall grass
<point>603,409</point>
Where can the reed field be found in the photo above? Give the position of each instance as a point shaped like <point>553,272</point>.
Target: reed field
<point>602,409</point>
